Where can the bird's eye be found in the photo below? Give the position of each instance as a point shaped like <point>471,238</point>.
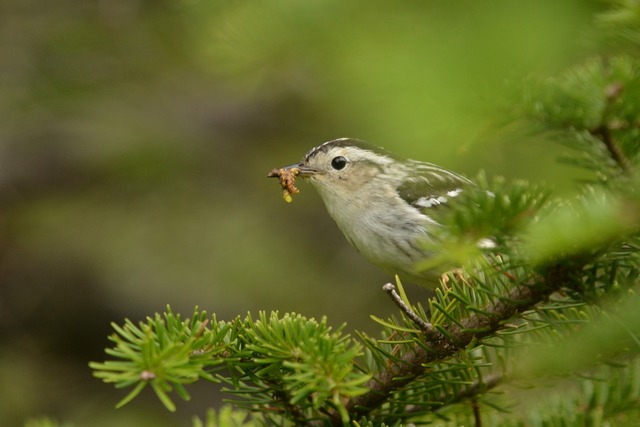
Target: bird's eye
<point>338,163</point>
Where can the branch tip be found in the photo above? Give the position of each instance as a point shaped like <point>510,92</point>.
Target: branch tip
<point>424,326</point>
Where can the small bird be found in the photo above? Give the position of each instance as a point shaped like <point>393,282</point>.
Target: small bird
<point>386,206</point>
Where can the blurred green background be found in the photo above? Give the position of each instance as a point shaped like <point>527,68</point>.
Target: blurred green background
<point>135,139</point>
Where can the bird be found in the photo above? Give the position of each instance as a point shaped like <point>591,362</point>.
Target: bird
<point>387,207</point>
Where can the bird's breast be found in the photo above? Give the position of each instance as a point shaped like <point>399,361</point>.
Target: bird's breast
<point>389,236</point>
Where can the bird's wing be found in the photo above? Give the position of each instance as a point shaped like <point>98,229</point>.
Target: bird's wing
<point>430,187</point>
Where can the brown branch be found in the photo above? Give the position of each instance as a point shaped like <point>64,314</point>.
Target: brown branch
<point>474,327</point>
<point>604,134</point>
<point>476,413</point>
<point>482,385</point>
<point>424,326</point>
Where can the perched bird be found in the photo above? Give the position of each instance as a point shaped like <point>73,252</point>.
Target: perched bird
<point>387,207</point>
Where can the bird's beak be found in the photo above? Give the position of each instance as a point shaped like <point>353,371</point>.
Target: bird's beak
<point>303,169</point>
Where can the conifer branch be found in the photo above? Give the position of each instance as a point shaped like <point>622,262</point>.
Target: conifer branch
<point>603,133</point>
<point>476,413</point>
<point>484,384</point>
<point>475,326</point>
<point>284,398</point>
<point>424,326</point>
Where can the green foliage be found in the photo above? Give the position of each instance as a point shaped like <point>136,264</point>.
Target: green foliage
<point>306,365</point>
<point>164,352</point>
<point>583,226</point>
<point>622,21</point>
<point>596,92</point>
<point>609,397</point>
<point>291,366</point>
<point>592,109</point>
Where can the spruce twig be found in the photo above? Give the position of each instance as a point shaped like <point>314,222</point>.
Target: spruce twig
<point>603,133</point>
<point>475,326</point>
<point>425,327</point>
<point>476,413</point>
<point>482,385</point>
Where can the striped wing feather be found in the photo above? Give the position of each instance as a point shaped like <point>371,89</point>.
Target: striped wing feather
<point>430,186</point>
